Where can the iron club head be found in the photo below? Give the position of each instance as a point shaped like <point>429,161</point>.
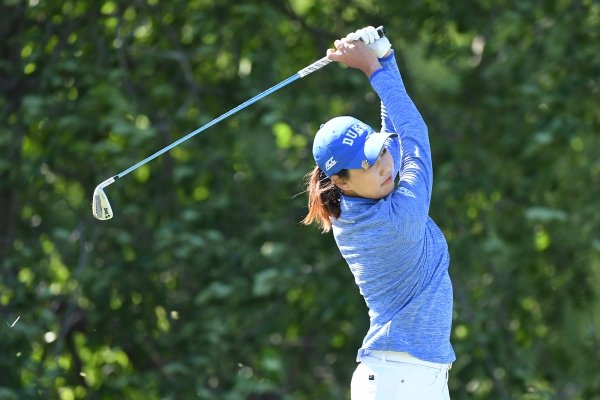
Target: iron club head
<point>100,205</point>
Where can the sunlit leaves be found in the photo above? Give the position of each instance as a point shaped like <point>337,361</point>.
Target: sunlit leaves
<point>285,137</point>
<point>205,259</point>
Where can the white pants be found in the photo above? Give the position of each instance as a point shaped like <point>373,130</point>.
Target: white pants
<point>389,375</point>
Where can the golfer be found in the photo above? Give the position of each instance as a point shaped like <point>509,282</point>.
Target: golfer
<point>373,190</point>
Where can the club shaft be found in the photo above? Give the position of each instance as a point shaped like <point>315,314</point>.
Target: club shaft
<point>300,74</point>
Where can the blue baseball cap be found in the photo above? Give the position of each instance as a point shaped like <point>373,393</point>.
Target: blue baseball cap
<point>347,143</point>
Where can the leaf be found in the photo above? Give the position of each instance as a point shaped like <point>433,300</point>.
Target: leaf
<point>543,214</point>
<point>265,282</point>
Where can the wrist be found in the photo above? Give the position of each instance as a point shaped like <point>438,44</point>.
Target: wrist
<point>370,69</point>
<point>387,54</point>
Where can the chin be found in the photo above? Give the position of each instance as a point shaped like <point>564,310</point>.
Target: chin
<point>388,192</point>
<point>383,194</point>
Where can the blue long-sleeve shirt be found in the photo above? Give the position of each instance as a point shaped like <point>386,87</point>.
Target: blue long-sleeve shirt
<point>397,254</point>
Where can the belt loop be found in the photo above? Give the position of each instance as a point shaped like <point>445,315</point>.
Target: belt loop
<point>383,356</point>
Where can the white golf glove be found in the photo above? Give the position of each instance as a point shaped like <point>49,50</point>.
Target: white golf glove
<point>370,37</point>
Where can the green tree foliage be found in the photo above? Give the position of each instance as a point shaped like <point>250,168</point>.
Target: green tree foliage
<point>205,285</point>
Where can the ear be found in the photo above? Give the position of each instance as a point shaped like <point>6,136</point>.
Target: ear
<point>340,182</point>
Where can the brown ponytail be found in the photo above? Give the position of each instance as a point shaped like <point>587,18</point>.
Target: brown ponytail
<point>323,198</point>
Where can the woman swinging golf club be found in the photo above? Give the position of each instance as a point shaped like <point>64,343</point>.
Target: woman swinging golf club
<point>373,190</point>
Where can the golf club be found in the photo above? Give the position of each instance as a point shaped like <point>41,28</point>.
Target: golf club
<point>101,208</point>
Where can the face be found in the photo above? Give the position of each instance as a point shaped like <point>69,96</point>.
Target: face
<point>375,182</point>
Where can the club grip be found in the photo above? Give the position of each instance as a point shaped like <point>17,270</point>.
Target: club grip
<point>381,31</point>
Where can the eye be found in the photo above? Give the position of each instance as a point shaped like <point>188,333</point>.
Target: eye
<point>383,151</point>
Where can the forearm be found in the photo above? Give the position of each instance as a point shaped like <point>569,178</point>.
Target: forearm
<point>388,62</point>
<point>401,110</point>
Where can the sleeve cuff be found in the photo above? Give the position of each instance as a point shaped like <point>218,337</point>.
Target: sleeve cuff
<point>380,70</point>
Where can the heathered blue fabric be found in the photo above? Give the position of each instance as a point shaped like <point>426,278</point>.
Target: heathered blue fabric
<point>397,254</point>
